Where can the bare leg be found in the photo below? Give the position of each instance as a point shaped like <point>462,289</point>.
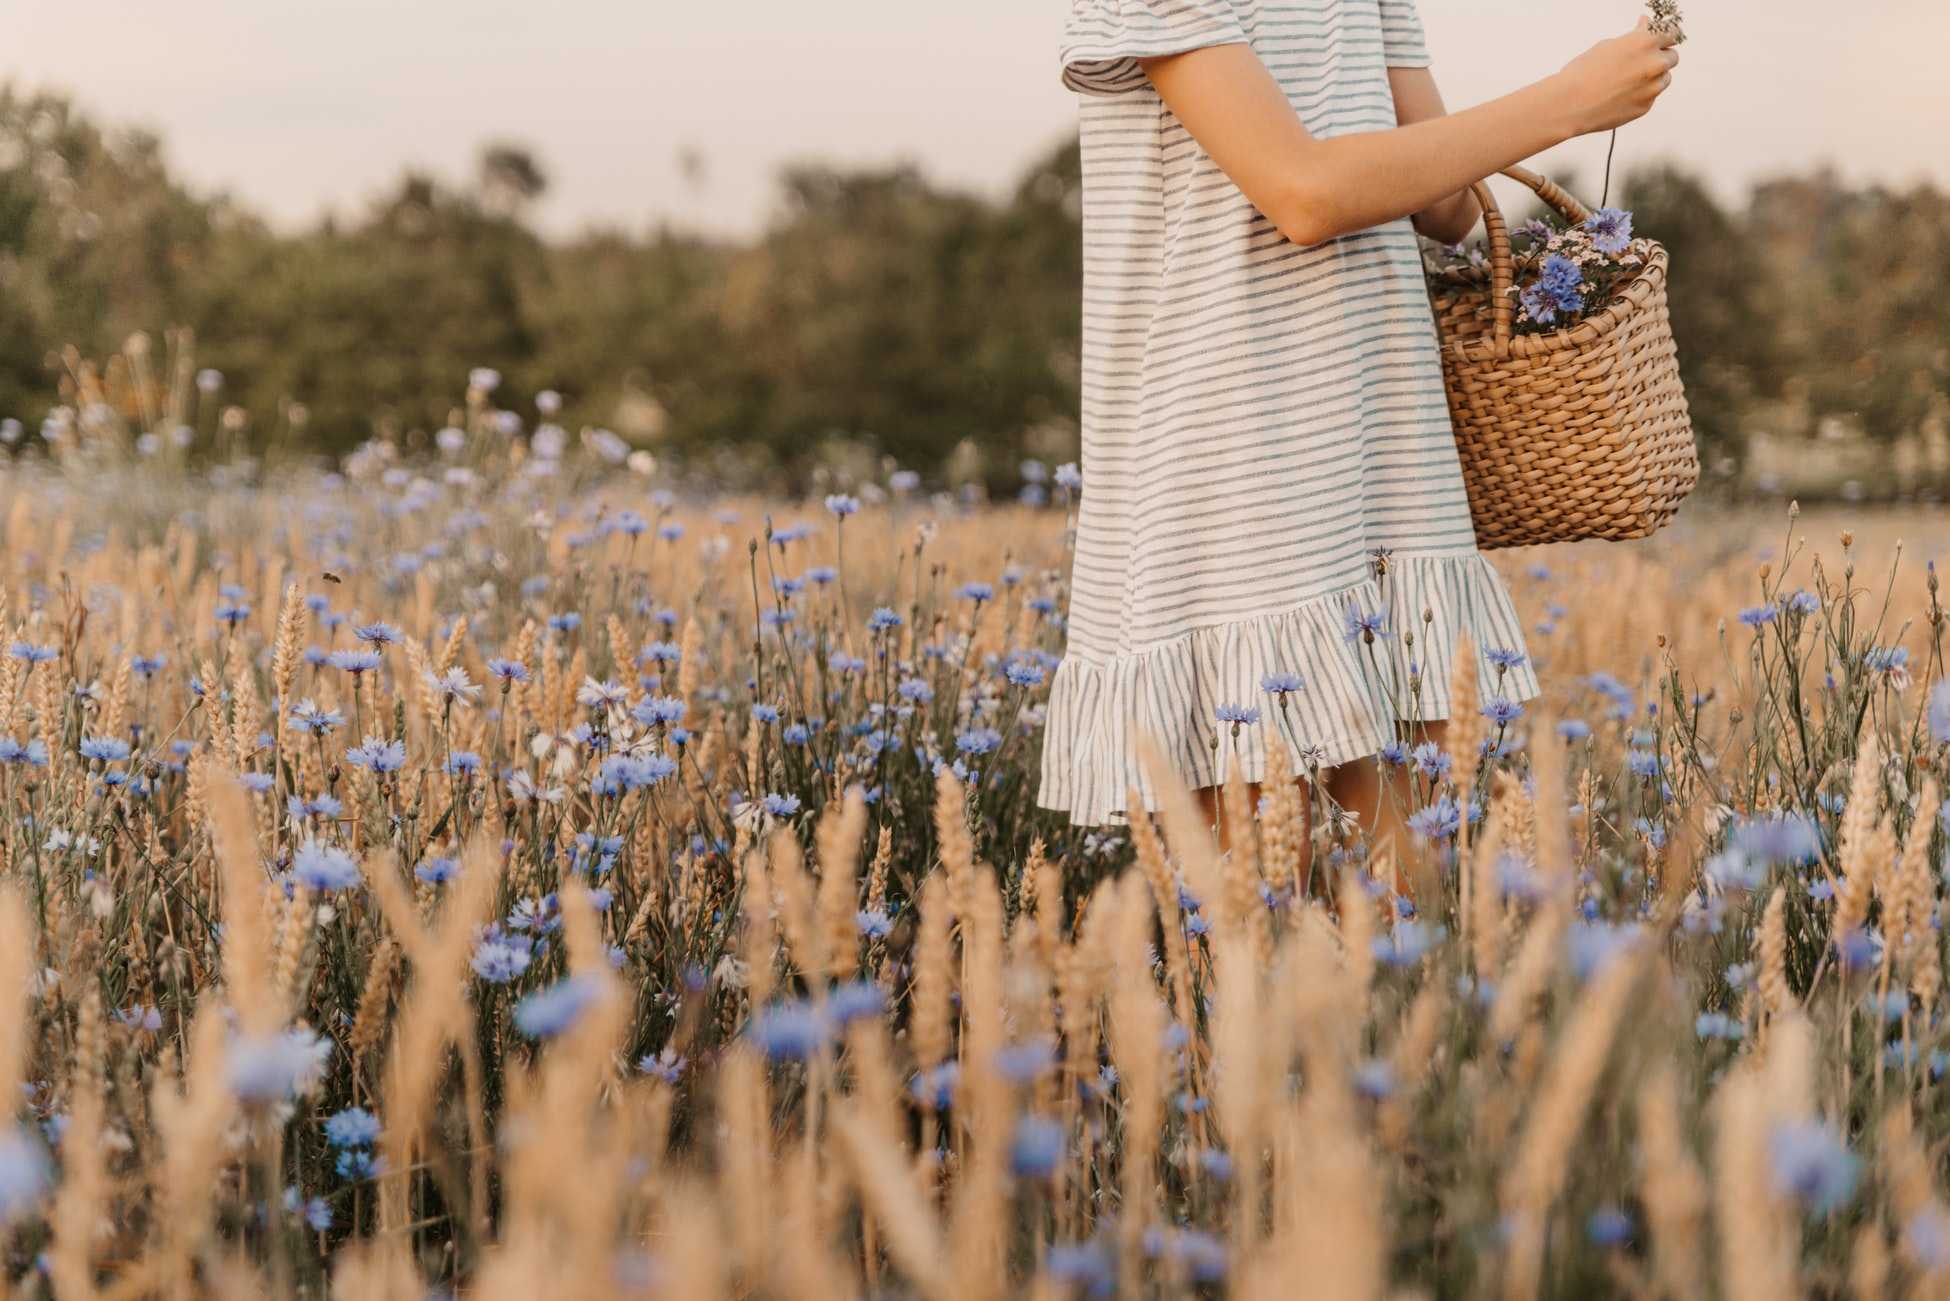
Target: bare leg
<point>1380,797</point>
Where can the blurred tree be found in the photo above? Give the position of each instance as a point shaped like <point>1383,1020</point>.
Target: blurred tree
<point>510,179</point>
<point>878,312</point>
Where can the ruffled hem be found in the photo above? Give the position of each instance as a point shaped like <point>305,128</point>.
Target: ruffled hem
<point>1352,693</point>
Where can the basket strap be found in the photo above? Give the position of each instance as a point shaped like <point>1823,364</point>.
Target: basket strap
<point>1503,271</point>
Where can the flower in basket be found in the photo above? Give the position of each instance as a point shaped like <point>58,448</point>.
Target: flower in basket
<point>1564,272</point>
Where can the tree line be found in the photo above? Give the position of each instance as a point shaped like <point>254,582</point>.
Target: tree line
<point>879,315</point>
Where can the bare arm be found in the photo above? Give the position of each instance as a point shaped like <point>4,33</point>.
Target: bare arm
<point>1317,190</point>
<point>1417,99</point>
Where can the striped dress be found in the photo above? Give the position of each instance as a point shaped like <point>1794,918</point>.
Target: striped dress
<point>1270,484</point>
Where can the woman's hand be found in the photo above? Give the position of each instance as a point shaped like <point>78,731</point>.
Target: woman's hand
<point>1617,81</point>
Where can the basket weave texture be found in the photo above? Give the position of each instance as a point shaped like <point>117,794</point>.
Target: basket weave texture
<point>1580,433</point>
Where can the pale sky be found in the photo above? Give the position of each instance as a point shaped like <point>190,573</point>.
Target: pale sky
<point>299,106</point>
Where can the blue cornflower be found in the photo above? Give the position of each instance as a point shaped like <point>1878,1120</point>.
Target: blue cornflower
<point>1374,1079</point>
<point>1430,759</point>
<point>104,749</point>
<point>915,691</point>
<point>1408,943</point>
<point>842,505</point>
<point>1611,230</point>
<point>378,754</point>
<point>324,867</point>
<point>1023,1063</point>
<point>1237,715</point>
<point>976,592</point>
<point>353,1127</point>
<point>935,1089</point>
<point>1560,279</point>
<point>1718,1025</point>
<point>354,662</point>
<point>978,740</point>
<point>438,871</point>
<point>1892,1006</point>
<point>1438,821</point>
<point>874,924</point>
<point>1608,1227</point>
<point>358,1165</point>
<point>1573,729</point>
<point>317,1211</point>
<point>462,763</point>
<point>653,711</point>
<point>1756,615</point>
<point>232,612</point>
<point>781,806</point>
<point>1786,838</point>
<point>1037,1147</point>
<point>765,713</point>
<point>318,806</point>
<point>1939,712</point>
<point>789,1031</point>
<point>148,666</point>
<point>1502,711</point>
<point>1592,945</point>
<point>1366,626</point>
<point>1281,684</point>
<point>310,718</point>
<point>33,654</point>
<point>883,619</point>
<point>1022,673</point>
<point>549,1012</point>
<point>667,1066</point>
<point>1504,658</point>
<point>508,670</point>
<point>25,1173</point>
<point>853,1001</point>
<point>33,754</point>
<point>376,634</point>
<point>499,959</point>
<point>1812,1164</point>
<point>278,1066</point>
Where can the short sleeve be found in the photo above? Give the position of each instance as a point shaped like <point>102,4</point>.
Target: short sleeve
<point>1104,39</point>
<point>1402,41</point>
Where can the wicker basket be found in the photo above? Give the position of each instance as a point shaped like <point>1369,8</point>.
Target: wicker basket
<point>1582,433</point>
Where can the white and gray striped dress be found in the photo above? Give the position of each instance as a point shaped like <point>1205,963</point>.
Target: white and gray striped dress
<point>1267,453</point>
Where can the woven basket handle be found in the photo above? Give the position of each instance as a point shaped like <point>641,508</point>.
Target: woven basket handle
<point>1503,270</point>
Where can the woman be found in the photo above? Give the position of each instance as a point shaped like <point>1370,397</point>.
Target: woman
<point>1274,546</point>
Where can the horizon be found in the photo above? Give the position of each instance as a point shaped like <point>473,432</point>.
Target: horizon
<point>298,116</point>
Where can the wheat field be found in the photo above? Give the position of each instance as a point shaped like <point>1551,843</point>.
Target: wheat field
<point>492,871</point>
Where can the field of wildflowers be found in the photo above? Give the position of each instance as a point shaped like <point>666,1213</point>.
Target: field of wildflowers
<point>491,870</point>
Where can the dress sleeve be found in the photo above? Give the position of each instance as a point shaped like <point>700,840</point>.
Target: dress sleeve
<point>1403,44</point>
<point>1104,39</point>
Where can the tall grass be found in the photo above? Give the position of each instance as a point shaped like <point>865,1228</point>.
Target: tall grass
<point>498,875</point>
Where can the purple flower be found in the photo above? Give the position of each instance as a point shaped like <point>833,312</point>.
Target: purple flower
<point>353,1127</point>
<point>549,1012</point>
<point>790,1031</point>
<point>1813,1165</point>
<point>1037,1148</point>
<point>324,867</point>
<point>1611,231</point>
